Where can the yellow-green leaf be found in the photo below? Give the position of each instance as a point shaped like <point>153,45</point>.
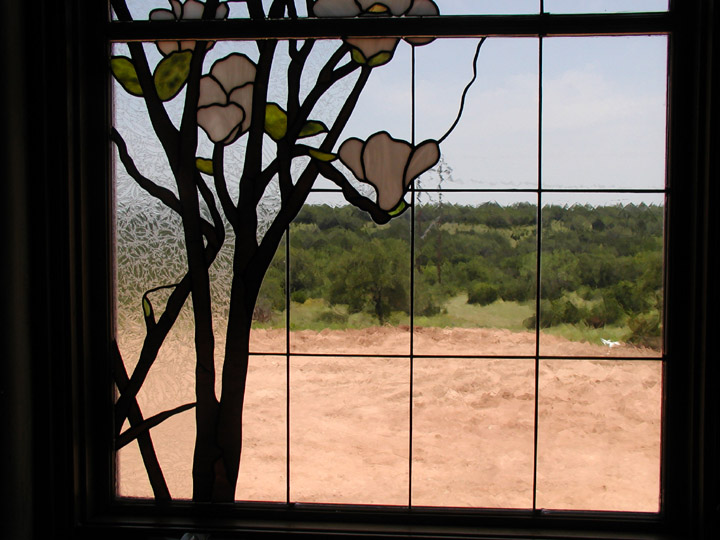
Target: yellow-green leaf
<point>322,156</point>
<point>124,72</point>
<point>399,209</point>
<point>357,56</point>
<point>171,74</point>
<point>312,127</point>
<point>204,165</point>
<point>147,308</point>
<point>275,121</point>
<point>379,59</point>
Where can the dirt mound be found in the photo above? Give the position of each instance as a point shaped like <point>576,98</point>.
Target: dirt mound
<point>472,421</point>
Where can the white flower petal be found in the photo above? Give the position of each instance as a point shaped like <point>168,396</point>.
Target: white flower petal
<point>335,8</point>
<point>222,11</point>
<point>220,121</point>
<point>423,7</point>
<point>187,45</point>
<point>211,93</point>
<point>192,9</point>
<point>162,15</point>
<point>168,47</point>
<point>396,7</point>
<point>350,153</point>
<point>177,8</point>
<point>233,71</point>
<point>423,157</point>
<point>384,160</point>
<point>243,97</point>
<point>418,41</point>
<point>372,46</point>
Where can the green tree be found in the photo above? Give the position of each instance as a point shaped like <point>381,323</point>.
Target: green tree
<point>373,277</point>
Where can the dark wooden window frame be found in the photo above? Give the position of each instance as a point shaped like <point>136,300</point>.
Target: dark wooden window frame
<point>56,386</point>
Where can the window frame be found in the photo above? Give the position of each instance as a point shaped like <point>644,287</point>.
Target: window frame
<point>688,425</point>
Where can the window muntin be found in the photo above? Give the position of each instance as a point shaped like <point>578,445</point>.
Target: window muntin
<point>359,502</point>
<point>140,9</point>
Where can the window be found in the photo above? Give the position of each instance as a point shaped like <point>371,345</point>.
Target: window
<point>662,24</point>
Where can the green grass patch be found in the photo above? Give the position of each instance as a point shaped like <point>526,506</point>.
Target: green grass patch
<point>584,333</point>
<point>500,314</point>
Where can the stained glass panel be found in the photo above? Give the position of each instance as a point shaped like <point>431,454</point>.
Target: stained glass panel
<point>324,217</point>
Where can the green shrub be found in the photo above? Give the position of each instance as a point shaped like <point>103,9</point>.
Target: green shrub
<point>645,330</point>
<point>482,294</point>
<point>332,316</point>
<point>608,311</point>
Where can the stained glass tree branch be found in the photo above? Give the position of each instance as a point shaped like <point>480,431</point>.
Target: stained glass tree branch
<point>228,103</point>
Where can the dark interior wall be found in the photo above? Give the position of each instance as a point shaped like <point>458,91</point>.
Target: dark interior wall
<point>35,464</point>
<point>38,478</point>
<point>15,344</point>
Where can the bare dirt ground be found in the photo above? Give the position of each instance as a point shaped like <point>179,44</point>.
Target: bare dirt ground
<point>473,422</point>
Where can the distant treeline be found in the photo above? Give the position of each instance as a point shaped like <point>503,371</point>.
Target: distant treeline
<point>600,265</point>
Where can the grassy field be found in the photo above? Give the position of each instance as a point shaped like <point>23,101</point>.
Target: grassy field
<point>316,314</point>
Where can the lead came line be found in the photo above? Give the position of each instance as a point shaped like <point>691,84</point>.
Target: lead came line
<point>412,285</point>
<point>538,228</point>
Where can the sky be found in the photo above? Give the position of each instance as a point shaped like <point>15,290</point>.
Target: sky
<point>603,105</point>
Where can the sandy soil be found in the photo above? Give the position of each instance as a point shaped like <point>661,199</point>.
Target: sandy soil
<point>472,422</point>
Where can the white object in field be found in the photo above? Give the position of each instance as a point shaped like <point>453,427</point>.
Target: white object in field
<point>610,343</point>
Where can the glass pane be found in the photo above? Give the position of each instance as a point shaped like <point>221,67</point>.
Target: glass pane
<point>140,9</point>
<point>475,267</point>
<point>604,112</point>
<point>495,143</point>
<point>601,275</point>
<point>262,468</point>
<point>599,435</point>
<point>268,334</point>
<point>473,424</point>
<point>192,9</point>
<point>488,7</point>
<point>349,280</point>
<point>604,6</point>
<point>349,421</point>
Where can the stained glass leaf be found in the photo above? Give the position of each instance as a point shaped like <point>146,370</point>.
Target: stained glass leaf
<point>322,156</point>
<point>399,209</point>
<point>147,308</point>
<point>380,59</point>
<point>275,121</point>
<point>357,56</point>
<point>313,127</point>
<point>204,165</point>
<point>171,74</point>
<point>124,72</point>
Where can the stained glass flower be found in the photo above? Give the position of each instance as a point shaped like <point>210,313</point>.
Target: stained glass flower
<point>225,102</point>
<point>376,51</point>
<point>390,165</point>
<point>352,8</point>
<point>190,9</point>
